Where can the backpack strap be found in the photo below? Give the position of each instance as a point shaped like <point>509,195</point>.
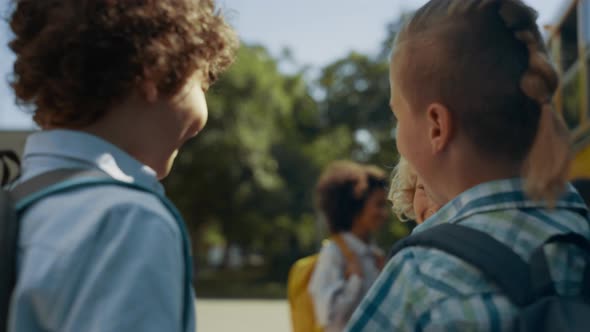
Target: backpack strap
<point>30,191</point>
<point>349,256</point>
<point>341,243</point>
<point>8,250</point>
<point>542,283</point>
<point>62,180</point>
<point>493,258</point>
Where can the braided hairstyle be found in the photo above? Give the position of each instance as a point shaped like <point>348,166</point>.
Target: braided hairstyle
<point>493,73</point>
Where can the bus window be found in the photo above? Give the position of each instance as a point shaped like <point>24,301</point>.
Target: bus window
<point>584,38</point>
<point>569,44</point>
<point>572,97</point>
<point>585,112</point>
<point>584,22</point>
<point>569,41</point>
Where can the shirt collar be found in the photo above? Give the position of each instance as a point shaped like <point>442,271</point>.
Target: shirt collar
<point>497,195</point>
<point>76,147</point>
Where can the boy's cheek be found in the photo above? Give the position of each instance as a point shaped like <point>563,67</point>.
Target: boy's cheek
<point>400,140</point>
<point>406,144</point>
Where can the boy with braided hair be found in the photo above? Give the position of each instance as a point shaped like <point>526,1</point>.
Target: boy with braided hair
<point>117,87</point>
<point>471,87</point>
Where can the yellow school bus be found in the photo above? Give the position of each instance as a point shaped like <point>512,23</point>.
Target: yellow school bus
<point>568,40</point>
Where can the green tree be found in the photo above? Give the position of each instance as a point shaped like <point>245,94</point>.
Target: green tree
<point>357,96</point>
<point>249,177</point>
<point>356,93</point>
<point>250,172</point>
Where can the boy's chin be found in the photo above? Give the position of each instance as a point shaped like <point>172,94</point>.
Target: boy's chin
<point>164,168</point>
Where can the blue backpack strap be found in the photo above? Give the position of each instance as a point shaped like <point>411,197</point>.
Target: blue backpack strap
<point>493,258</point>
<point>63,180</point>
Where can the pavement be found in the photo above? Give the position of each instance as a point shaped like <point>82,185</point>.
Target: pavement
<point>243,315</point>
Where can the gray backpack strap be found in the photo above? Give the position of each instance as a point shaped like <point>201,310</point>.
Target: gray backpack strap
<point>492,257</point>
<point>48,179</point>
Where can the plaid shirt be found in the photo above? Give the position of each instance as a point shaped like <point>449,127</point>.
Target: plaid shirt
<point>424,289</point>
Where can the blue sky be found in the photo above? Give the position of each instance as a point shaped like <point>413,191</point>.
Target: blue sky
<point>316,31</point>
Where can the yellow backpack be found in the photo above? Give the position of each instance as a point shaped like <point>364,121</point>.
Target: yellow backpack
<point>300,302</point>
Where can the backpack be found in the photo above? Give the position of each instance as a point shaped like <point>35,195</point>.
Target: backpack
<point>300,302</point>
<point>8,237</point>
<point>528,285</point>
<point>16,200</point>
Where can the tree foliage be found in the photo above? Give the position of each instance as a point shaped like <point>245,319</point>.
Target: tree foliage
<point>249,177</point>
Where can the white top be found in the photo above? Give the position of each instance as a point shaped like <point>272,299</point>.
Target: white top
<point>334,297</point>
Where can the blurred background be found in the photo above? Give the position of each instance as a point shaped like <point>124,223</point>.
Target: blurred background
<point>310,86</point>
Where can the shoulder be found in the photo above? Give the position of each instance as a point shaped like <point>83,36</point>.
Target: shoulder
<point>330,253</point>
<point>429,276</point>
<point>524,229</point>
<point>477,312</point>
<point>68,220</point>
<point>94,232</point>
<point>329,264</point>
<point>418,287</point>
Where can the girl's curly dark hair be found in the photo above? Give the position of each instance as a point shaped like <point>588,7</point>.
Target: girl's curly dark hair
<point>343,190</point>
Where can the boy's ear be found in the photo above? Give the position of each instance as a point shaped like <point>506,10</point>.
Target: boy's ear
<point>440,126</point>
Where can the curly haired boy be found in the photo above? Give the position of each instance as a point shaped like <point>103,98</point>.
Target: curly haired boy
<point>116,86</point>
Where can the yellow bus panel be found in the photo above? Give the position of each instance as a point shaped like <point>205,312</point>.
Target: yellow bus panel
<point>581,164</point>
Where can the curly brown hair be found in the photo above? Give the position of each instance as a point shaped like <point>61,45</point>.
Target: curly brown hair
<point>78,58</point>
<point>343,189</point>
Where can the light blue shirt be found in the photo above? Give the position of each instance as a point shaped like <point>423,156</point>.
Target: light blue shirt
<point>104,258</point>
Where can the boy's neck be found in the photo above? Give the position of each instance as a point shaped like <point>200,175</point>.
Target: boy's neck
<point>470,172</point>
<point>129,127</point>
